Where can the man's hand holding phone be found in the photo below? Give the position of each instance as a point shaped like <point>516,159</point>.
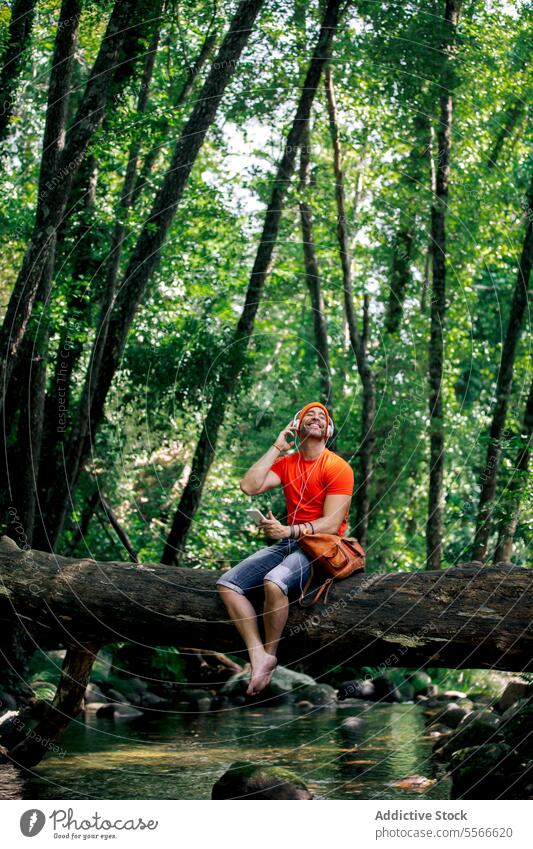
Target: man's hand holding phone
<point>273,528</point>
<point>268,523</point>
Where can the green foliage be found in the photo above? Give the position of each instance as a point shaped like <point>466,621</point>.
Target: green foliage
<point>168,664</point>
<point>44,693</point>
<point>386,65</point>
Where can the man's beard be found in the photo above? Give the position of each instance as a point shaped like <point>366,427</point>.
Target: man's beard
<point>309,431</point>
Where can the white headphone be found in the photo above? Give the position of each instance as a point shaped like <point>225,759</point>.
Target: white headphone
<point>330,428</point>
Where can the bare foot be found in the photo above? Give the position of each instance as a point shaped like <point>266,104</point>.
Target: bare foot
<point>262,671</point>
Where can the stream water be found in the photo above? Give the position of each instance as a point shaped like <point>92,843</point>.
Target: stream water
<point>180,756</point>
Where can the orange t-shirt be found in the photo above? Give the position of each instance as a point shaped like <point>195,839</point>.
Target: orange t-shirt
<point>307,482</point>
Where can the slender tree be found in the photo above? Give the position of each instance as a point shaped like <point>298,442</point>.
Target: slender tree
<point>51,467</point>
<point>20,27</point>
<point>235,355</point>
<point>108,346</point>
<point>33,355</point>
<point>511,120</point>
<point>504,385</point>
<point>68,351</point>
<point>54,187</point>
<point>312,274</point>
<point>178,99</point>
<point>402,248</point>
<point>438,296</point>
<point>504,548</point>
<point>358,341</point>
<point>32,377</point>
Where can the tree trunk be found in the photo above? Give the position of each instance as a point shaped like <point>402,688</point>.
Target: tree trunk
<point>83,527</point>
<point>400,277</point>
<point>66,705</point>
<point>58,400</point>
<point>428,260</point>
<point>504,549</point>
<point>178,100</point>
<point>145,257</point>
<point>358,344</point>
<point>68,353</point>
<point>20,27</point>
<point>54,187</point>
<point>438,300</point>
<point>312,275</point>
<point>32,359</point>
<point>503,386</point>
<point>512,118</point>
<point>119,530</point>
<point>412,176</point>
<point>467,616</point>
<point>235,358</point>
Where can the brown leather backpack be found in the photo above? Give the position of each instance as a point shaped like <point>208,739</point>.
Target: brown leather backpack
<point>335,557</point>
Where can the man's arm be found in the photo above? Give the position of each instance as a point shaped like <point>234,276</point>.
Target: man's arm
<point>335,507</point>
<point>259,477</point>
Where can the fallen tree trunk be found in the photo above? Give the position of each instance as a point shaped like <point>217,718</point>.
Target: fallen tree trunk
<point>468,616</point>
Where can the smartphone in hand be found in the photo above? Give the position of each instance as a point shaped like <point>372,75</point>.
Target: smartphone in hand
<point>255,515</point>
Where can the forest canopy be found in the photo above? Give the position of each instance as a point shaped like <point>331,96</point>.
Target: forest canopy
<point>214,213</point>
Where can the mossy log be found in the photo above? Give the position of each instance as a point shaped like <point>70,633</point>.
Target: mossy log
<point>468,616</point>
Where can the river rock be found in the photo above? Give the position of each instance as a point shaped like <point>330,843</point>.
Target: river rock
<point>284,682</point>
<point>94,694</point>
<point>451,715</point>
<point>318,694</point>
<point>517,726</point>
<point>149,699</point>
<point>116,696</point>
<point>10,728</point>
<point>305,705</point>
<point>137,685</point>
<point>199,700</point>
<point>360,688</point>
<point>485,772</point>
<point>94,707</point>
<point>475,729</point>
<point>385,691</point>
<point>118,712</point>
<point>467,704</point>
<point>254,781</point>
<point>516,689</point>
<point>422,684</point>
<point>351,726</point>
<point>416,783</point>
<point>453,695</point>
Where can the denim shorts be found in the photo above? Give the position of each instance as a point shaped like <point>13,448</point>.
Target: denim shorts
<point>284,563</point>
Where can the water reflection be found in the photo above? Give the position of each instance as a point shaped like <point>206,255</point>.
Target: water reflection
<point>180,756</point>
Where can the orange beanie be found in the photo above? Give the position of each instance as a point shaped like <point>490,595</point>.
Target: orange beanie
<point>307,407</point>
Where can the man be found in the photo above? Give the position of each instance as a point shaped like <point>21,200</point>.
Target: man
<point>318,487</point>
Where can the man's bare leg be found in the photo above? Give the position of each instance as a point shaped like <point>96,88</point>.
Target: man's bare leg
<point>244,617</point>
<point>275,615</point>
